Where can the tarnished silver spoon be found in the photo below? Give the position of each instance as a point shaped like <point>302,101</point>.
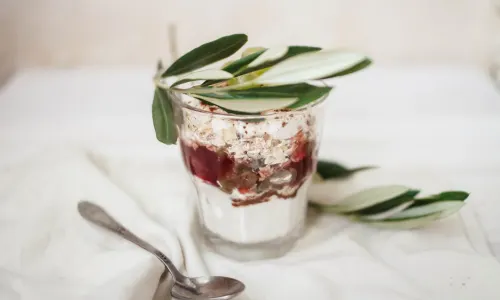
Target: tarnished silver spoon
<point>185,288</point>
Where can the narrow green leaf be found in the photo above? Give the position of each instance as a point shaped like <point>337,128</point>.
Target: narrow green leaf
<point>250,105</point>
<point>332,170</point>
<point>252,50</point>
<point>428,209</point>
<point>409,223</point>
<point>310,66</point>
<point>452,195</point>
<point>201,75</point>
<point>236,65</point>
<point>311,96</point>
<point>388,204</point>
<point>296,50</point>
<point>448,195</point>
<point>358,67</point>
<point>292,51</point>
<point>322,207</point>
<point>240,66</point>
<point>385,214</point>
<point>329,169</point>
<point>247,78</point>
<point>444,196</point>
<point>269,55</point>
<point>163,117</point>
<point>415,220</point>
<point>368,197</point>
<point>206,54</point>
<point>224,109</point>
<point>282,91</point>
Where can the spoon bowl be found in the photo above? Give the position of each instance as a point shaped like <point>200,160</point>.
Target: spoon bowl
<point>210,287</point>
<point>184,288</point>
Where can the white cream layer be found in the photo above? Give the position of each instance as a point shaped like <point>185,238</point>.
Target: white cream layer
<point>253,223</point>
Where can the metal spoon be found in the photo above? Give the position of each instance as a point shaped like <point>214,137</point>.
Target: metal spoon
<point>185,288</point>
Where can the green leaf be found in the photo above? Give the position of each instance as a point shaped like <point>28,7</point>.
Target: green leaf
<point>409,223</point>
<point>236,65</point>
<point>311,96</point>
<point>302,94</point>
<point>247,78</point>
<point>310,66</point>
<point>444,196</point>
<point>239,67</point>
<point>365,198</point>
<point>452,195</point>
<point>269,55</point>
<point>416,221</point>
<point>358,67</point>
<point>249,105</point>
<point>292,51</point>
<point>448,195</point>
<point>203,74</point>
<point>252,50</point>
<point>163,117</point>
<point>385,214</point>
<point>296,50</point>
<point>332,170</point>
<point>428,209</point>
<point>282,91</point>
<point>225,109</point>
<point>389,204</point>
<point>206,54</point>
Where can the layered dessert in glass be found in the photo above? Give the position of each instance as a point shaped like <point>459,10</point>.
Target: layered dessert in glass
<point>251,174</point>
<point>249,136</point>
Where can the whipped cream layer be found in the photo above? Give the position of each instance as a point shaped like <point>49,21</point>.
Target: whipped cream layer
<point>251,224</point>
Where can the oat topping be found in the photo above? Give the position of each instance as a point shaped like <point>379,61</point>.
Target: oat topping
<point>249,160</point>
<point>271,139</point>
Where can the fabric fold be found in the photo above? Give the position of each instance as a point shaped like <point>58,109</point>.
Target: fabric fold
<point>53,253</point>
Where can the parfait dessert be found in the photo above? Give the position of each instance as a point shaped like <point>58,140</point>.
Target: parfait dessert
<point>251,173</point>
<point>249,136</point>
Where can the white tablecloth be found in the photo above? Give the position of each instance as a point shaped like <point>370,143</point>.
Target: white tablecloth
<point>72,134</point>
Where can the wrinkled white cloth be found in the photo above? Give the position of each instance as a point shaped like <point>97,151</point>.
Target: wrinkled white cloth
<point>106,153</point>
<point>52,253</point>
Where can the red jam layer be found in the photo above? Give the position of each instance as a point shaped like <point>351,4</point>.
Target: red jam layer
<point>220,170</point>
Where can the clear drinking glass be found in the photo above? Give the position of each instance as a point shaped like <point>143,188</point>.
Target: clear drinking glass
<point>251,174</point>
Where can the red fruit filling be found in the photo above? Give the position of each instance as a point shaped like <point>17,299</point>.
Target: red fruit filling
<point>220,170</point>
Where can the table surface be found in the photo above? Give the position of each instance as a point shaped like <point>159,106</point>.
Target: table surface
<point>439,119</point>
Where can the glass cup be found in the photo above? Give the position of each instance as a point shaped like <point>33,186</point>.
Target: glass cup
<point>251,174</point>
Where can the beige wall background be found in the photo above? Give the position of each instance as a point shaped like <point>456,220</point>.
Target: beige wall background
<point>69,33</point>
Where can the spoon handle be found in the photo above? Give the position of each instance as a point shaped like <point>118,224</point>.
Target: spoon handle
<point>95,214</point>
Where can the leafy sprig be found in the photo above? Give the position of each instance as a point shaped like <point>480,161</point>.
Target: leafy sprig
<point>387,206</point>
<point>262,79</point>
